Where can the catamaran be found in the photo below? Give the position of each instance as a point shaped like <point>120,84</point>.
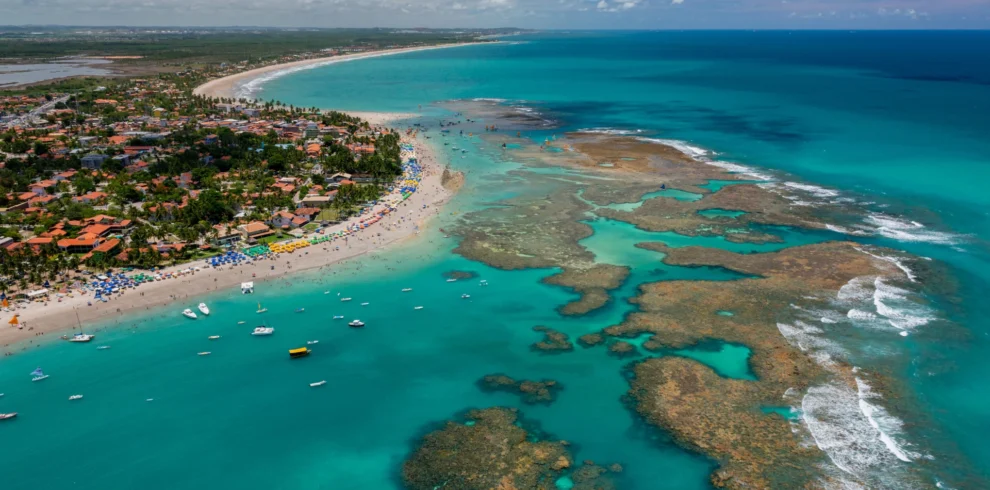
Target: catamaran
<point>81,337</point>
<point>38,375</point>
<point>263,331</point>
<point>260,309</point>
<point>189,314</point>
<point>203,308</point>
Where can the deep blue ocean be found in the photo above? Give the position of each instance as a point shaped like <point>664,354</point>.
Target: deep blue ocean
<point>898,119</point>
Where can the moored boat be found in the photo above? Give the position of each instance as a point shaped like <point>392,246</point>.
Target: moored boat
<point>81,337</point>
<point>263,331</point>
<point>39,375</point>
<point>406,290</point>
<point>204,353</point>
<point>75,397</point>
<point>5,416</point>
<point>204,309</point>
<point>260,309</point>
<point>338,317</point>
<point>318,383</point>
<point>311,342</point>
<point>356,323</point>
<point>417,307</point>
<point>188,314</point>
<point>213,337</point>
<point>103,347</point>
<point>345,299</point>
<point>300,352</point>
<point>465,296</point>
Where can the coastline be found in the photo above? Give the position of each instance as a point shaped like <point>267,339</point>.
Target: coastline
<point>226,87</point>
<point>43,321</point>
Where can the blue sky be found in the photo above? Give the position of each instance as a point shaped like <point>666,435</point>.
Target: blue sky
<point>558,14</point>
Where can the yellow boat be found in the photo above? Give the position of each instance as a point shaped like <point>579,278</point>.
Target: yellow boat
<point>300,352</point>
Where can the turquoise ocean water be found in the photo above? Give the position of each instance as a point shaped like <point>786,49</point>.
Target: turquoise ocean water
<point>898,119</point>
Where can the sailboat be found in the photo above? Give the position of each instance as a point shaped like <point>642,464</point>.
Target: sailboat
<point>80,337</point>
<point>38,375</point>
<point>260,309</point>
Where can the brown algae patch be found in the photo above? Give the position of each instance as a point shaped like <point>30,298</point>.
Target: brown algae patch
<point>593,283</point>
<point>531,392</point>
<point>490,451</point>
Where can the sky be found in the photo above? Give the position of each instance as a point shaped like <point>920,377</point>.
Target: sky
<point>537,14</point>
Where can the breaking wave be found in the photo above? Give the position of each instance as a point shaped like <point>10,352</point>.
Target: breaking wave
<point>612,131</point>
<point>908,231</point>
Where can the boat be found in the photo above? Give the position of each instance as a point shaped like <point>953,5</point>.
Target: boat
<point>326,292</point>
<point>75,397</point>
<point>345,299</point>
<point>81,337</point>
<point>260,309</point>
<point>213,337</point>
<point>311,342</point>
<point>5,416</point>
<point>356,323</point>
<point>338,317</point>
<point>203,308</point>
<point>300,310</point>
<point>247,287</point>
<point>38,375</point>
<point>465,296</point>
<point>263,331</point>
<point>189,314</point>
<point>365,304</point>
<point>318,383</point>
<point>242,322</point>
<point>103,347</point>
<point>206,353</point>
<point>300,352</point>
<point>417,307</point>
<point>483,282</point>
<point>406,290</point>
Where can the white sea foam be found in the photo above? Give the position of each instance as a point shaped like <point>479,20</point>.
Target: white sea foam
<point>487,99</point>
<point>857,441</point>
<point>892,303</point>
<point>612,131</point>
<point>740,169</point>
<point>687,149</point>
<point>893,260</point>
<point>855,314</point>
<point>880,420</point>
<point>857,289</point>
<point>814,190</point>
<point>908,231</point>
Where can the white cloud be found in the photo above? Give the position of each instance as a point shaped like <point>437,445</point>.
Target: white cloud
<point>676,2</point>
<point>602,5</point>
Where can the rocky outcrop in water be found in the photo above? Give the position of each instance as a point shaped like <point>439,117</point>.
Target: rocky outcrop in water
<point>491,453</point>
<point>531,392</point>
<point>593,283</point>
<point>553,341</point>
<point>591,339</point>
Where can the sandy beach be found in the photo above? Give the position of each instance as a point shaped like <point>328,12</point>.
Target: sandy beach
<point>45,321</point>
<point>226,87</point>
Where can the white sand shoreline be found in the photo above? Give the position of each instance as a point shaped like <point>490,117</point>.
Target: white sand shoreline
<point>226,87</point>
<point>44,322</point>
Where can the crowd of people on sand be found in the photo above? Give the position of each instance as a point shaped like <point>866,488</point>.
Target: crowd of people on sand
<point>359,241</point>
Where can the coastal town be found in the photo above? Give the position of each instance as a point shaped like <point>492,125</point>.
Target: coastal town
<point>108,187</point>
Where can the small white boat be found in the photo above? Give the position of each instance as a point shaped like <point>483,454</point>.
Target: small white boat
<point>406,290</point>
<point>483,283</point>
<point>204,309</point>
<point>75,397</point>
<point>213,337</point>
<point>318,383</point>
<point>39,375</point>
<point>417,307</point>
<point>465,296</point>
<point>300,310</point>
<point>326,292</point>
<point>263,331</point>
<point>260,309</point>
<point>451,280</point>
<point>188,314</point>
<point>103,347</point>
<point>204,353</point>
<point>82,337</point>
<point>242,322</point>
<point>311,342</point>
<point>365,304</point>
<point>345,299</point>
<point>149,399</point>
<point>5,416</point>
<point>356,323</point>
<point>338,317</point>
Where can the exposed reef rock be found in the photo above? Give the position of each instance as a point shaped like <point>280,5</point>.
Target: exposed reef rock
<point>593,283</point>
<point>622,349</point>
<point>591,339</point>
<point>531,392</point>
<point>720,417</point>
<point>460,275</point>
<point>553,341</point>
<point>452,180</point>
<point>491,453</point>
